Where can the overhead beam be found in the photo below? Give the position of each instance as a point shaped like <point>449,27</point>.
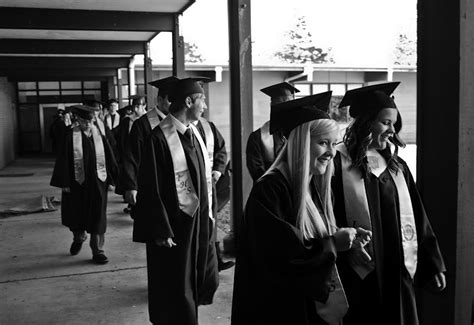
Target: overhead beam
<point>49,74</point>
<point>28,63</point>
<point>35,46</point>
<point>64,19</point>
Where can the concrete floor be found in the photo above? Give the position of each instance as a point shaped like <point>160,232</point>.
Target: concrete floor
<point>40,283</point>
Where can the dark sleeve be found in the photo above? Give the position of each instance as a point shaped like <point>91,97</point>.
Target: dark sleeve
<point>62,168</point>
<point>220,152</point>
<point>254,156</point>
<point>112,167</point>
<point>151,221</point>
<point>132,152</point>
<point>280,247</point>
<point>430,260</point>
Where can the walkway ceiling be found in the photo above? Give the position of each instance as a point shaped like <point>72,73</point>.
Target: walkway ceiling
<point>80,40</point>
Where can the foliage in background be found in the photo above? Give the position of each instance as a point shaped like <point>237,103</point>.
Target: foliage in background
<point>405,51</point>
<point>191,53</point>
<point>299,46</point>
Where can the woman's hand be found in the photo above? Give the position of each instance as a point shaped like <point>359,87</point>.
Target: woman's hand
<point>439,282</point>
<point>344,238</point>
<point>358,254</point>
<point>168,242</point>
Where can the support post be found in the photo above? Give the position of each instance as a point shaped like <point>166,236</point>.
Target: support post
<point>241,120</point>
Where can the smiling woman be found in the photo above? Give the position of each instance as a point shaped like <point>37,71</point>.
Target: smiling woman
<point>373,188</point>
<point>285,272</point>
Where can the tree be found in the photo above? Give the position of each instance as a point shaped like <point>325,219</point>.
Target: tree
<point>405,51</point>
<point>299,46</point>
<point>191,53</point>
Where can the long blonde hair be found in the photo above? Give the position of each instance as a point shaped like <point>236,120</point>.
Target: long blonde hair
<point>294,163</point>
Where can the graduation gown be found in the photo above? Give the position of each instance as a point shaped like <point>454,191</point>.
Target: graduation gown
<point>278,275</point>
<point>257,162</point>
<point>185,276</point>
<point>132,152</point>
<point>388,289</point>
<point>84,208</point>
<point>57,133</point>
<point>219,162</point>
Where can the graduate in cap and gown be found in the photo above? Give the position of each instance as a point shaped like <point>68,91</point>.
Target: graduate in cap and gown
<point>112,117</point>
<point>263,147</point>
<point>374,189</point>
<point>215,145</point>
<point>139,131</point>
<point>84,168</point>
<point>99,121</point>
<point>288,243</point>
<point>173,212</point>
<point>132,113</point>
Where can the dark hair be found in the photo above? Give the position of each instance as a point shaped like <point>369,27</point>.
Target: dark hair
<point>178,103</point>
<point>139,100</point>
<point>358,137</point>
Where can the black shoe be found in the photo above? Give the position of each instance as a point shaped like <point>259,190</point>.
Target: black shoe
<point>75,248</point>
<point>100,259</point>
<point>221,265</point>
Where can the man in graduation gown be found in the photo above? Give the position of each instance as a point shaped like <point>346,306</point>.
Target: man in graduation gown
<point>263,147</point>
<point>380,279</point>
<point>139,131</point>
<point>174,216</point>
<point>137,109</point>
<point>215,144</point>
<point>84,168</point>
<point>112,118</point>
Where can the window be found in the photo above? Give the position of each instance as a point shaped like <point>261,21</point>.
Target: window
<point>338,89</point>
<point>71,85</point>
<point>46,85</point>
<point>320,88</point>
<point>304,90</point>
<point>354,86</point>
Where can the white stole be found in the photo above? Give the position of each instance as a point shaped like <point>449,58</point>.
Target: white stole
<point>101,126</point>
<point>78,155</point>
<point>355,200</point>
<point>155,116</point>
<point>267,140</point>
<point>209,138</point>
<point>187,196</point>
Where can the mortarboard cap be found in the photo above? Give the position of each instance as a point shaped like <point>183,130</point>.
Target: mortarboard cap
<point>164,85</point>
<point>368,99</point>
<point>92,102</point>
<point>84,111</point>
<point>188,86</point>
<point>112,100</point>
<point>282,89</point>
<point>137,99</point>
<point>288,115</point>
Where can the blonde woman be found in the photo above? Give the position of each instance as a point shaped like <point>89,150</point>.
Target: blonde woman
<point>285,271</point>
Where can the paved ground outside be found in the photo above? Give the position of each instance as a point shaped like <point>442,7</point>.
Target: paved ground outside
<point>40,283</point>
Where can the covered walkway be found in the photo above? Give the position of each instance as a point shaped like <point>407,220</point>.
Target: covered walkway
<point>40,283</point>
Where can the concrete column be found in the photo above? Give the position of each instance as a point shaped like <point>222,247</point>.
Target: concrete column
<point>131,78</point>
<point>445,138</point>
<point>241,123</point>
<point>178,50</point>
<point>148,75</point>
<point>119,88</point>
